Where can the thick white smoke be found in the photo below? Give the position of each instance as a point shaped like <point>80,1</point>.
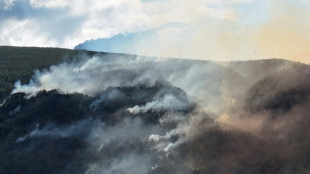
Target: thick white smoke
<point>205,81</point>
<point>89,77</point>
<point>168,102</point>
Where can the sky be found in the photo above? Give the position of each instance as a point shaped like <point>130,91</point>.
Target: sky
<point>200,29</point>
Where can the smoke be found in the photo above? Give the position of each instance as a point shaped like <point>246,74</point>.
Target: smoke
<point>157,115</point>
<point>131,164</point>
<point>92,76</point>
<point>84,78</point>
<point>135,101</point>
<point>134,156</point>
<point>285,34</point>
<point>278,29</point>
<point>51,130</point>
<point>168,102</point>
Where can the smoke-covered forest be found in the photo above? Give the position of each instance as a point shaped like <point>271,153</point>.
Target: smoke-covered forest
<point>79,112</point>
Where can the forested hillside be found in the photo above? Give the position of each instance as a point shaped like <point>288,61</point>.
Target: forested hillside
<point>95,113</point>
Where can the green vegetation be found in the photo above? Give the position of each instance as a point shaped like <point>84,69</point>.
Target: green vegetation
<point>19,63</point>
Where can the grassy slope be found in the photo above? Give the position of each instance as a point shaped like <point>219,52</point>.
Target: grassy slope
<point>19,63</point>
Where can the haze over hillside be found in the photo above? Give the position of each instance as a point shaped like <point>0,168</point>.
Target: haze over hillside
<point>94,113</point>
<point>154,87</point>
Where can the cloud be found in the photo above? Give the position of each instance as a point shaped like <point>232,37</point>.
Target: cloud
<point>6,4</point>
<point>28,32</point>
<point>97,19</point>
<point>48,3</point>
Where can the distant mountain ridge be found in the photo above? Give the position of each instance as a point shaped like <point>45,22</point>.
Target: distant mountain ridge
<point>120,43</point>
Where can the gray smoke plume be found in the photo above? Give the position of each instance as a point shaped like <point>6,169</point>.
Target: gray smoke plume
<point>91,76</point>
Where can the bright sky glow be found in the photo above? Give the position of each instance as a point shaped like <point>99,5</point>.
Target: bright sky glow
<point>211,29</point>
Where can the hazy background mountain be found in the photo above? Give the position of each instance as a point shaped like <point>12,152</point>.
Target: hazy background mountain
<point>129,44</point>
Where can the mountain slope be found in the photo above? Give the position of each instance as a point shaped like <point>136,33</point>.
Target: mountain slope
<point>19,63</point>
<point>115,113</point>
